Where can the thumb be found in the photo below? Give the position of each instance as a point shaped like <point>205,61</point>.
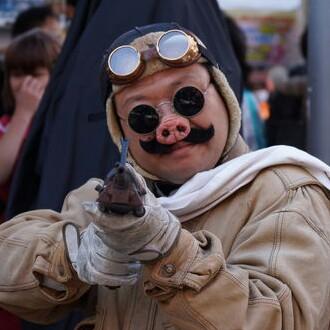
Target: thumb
<point>71,238</point>
<point>91,208</point>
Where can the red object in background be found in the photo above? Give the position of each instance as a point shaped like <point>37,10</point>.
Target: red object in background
<point>9,321</point>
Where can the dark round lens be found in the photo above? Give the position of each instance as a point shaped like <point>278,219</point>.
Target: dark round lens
<point>188,101</point>
<point>143,119</point>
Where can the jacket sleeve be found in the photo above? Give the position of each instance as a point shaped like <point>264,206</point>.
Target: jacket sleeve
<point>36,279</point>
<point>276,275</point>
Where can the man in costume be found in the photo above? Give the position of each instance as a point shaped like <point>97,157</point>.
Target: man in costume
<point>227,239</point>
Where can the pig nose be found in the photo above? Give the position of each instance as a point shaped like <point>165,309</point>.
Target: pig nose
<point>172,129</point>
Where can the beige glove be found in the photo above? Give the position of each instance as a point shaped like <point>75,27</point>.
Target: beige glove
<point>143,238</point>
<point>95,262</point>
<point>113,246</point>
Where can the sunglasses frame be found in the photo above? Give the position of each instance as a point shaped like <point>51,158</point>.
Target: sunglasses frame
<point>155,108</point>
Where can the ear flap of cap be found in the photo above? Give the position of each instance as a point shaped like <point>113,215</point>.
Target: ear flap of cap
<point>105,83</point>
<point>232,106</point>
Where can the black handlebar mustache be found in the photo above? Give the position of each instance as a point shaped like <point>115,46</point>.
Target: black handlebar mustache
<point>196,136</point>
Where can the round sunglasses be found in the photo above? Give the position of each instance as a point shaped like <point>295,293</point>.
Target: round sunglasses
<point>187,102</point>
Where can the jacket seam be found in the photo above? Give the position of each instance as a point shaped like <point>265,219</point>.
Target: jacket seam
<point>46,239</point>
<point>289,184</point>
<point>299,182</point>
<point>276,244</point>
<point>235,279</point>
<point>13,241</point>
<point>189,310</point>
<point>268,301</point>
<point>26,286</point>
<point>283,294</point>
<point>282,177</point>
<point>311,224</point>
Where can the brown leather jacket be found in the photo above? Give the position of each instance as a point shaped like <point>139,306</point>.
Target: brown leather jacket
<point>258,260</point>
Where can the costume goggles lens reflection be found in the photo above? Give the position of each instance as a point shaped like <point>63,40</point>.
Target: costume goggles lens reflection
<point>174,47</point>
<point>187,101</point>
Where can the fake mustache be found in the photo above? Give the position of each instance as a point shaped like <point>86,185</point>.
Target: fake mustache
<point>196,136</point>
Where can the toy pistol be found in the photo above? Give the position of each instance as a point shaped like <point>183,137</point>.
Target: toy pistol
<point>121,192</point>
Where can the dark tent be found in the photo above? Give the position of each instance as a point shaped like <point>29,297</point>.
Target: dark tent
<point>69,140</point>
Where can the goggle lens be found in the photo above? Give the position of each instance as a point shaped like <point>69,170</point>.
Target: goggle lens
<point>143,119</point>
<point>173,45</point>
<point>123,61</point>
<point>188,102</point>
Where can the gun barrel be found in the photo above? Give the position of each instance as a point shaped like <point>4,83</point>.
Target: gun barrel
<point>124,150</point>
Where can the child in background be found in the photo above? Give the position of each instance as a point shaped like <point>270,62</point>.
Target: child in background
<point>28,62</point>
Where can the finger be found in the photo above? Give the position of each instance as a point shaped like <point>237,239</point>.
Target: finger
<point>26,82</point>
<point>34,88</point>
<point>30,84</point>
<point>71,241</point>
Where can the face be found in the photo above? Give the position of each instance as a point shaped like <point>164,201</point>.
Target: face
<point>183,159</point>
<point>16,78</point>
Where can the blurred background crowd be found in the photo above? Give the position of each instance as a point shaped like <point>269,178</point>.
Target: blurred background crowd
<point>51,111</point>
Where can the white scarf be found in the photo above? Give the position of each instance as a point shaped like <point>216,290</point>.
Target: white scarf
<point>206,189</point>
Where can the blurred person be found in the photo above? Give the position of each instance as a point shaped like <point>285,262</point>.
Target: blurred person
<point>35,17</point>
<point>301,68</point>
<point>66,8</point>
<point>28,62</point>
<point>38,17</point>
<point>252,124</point>
<point>287,122</point>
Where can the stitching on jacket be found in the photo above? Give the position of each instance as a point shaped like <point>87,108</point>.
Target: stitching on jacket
<point>260,215</point>
<point>311,223</point>
<point>276,244</point>
<point>237,281</point>
<point>26,286</point>
<point>301,181</point>
<point>181,274</point>
<point>278,237</point>
<point>267,301</point>
<point>284,293</point>
<point>282,177</point>
<point>192,312</point>
<point>12,241</point>
<point>46,239</point>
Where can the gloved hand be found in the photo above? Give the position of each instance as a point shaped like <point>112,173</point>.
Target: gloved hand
<point>95,262</point>
<point>113,246</point>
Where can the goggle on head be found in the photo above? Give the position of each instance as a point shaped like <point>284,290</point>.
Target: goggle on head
<point>175,48</point>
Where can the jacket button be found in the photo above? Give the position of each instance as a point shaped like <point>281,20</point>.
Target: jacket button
<point>169,270</point>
